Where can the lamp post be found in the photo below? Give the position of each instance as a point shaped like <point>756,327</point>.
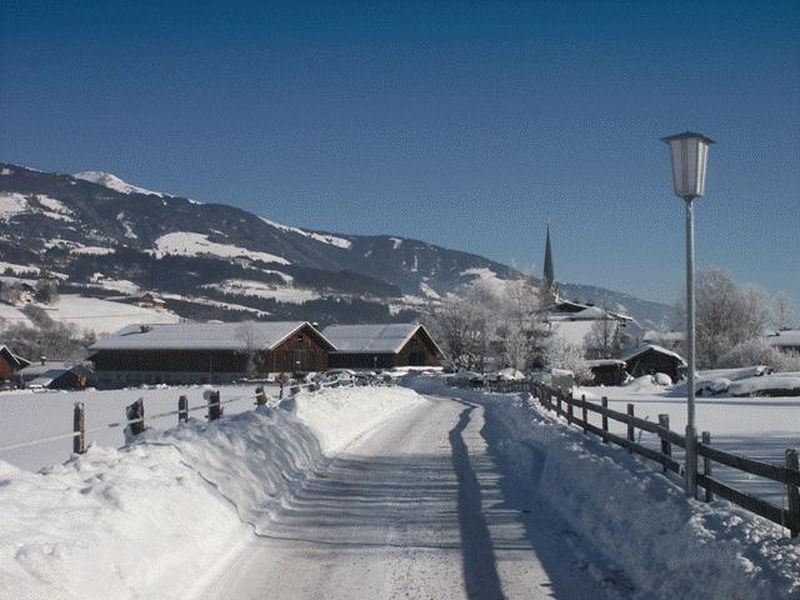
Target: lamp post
<point>689,152</point>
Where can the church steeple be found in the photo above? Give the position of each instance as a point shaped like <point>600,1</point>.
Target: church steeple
<point>549,270</point>
<point>549,287</point>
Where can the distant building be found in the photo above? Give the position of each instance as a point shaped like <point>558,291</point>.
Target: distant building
<point>382,346</point>
<point>182,353</point>
<point>652,359</point>
<point>55,375</point>
<point>10,364</point>
<point>787,340</point>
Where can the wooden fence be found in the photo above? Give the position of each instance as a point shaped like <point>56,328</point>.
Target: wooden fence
<point>134,422</point>
<point>577,412</point>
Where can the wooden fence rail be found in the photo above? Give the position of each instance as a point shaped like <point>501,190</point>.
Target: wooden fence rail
<point>563,404</point>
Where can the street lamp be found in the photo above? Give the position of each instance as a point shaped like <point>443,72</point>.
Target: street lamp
<point>689,152</point>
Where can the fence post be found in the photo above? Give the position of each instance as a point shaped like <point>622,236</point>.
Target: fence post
<point>569,409</point>
<point>261,397</point>
<point>559,411</point>
<point>631,432</point>
<point>666,445</point>
<point>280,395</point>
<point>183,409</point>
<point>793,494</point>
<point>584,414</point>
<point>214,406</point>
<point>604,402</point>
<point>79,427</point>
<point>135,415</point>
<point>706,439</point>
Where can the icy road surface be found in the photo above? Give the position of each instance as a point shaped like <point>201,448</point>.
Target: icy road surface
<point>417,509</point>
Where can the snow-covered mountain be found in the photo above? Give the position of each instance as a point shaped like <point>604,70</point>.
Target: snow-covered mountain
<point>104,237</point>
<point>113,182</point>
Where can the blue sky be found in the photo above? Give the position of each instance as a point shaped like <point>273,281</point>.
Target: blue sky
<point>465,125</point>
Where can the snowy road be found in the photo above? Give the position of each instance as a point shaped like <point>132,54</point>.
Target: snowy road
<point>417,509</point>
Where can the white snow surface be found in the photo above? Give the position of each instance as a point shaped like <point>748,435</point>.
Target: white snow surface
<point>246,287</point>
<point>330,415</point>
<point>324,238</point>
<point>159,518</point>
<point>188,243</point>
<point>103,316</point>
<point>113,182</point>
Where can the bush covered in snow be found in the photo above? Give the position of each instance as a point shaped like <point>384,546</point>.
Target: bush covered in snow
<point>570,357</point>
<point>759,352</point>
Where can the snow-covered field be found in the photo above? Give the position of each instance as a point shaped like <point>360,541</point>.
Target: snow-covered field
<point>760,428</point>
<point>37,415</point>
<point>103,316</point>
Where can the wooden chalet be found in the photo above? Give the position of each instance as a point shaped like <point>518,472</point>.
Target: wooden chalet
<point>607,371</point>
<point>183,353</point>
<point>10,364</point>
<point>652,359</point>
<point>382,346</point>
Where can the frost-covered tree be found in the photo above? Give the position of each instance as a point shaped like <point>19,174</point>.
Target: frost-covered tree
<point>604,339</point>
<point>759,352</point>
<point>782,312</point>
<point>728,314</point>
<point>572,357</point>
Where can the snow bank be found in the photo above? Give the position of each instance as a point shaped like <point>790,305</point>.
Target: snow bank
<point>153,519</point>
<point>330,417</point>
<point>666,546</point>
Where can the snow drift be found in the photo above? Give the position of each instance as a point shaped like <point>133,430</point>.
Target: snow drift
<point>156,518</point>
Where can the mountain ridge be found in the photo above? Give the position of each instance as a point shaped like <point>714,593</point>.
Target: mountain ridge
<point>91,232</point>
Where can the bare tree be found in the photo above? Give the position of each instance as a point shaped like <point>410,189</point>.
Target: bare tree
<point>571,357</point>
<point>604,339</point>
<point>247,334</point>
<point>782,312</point>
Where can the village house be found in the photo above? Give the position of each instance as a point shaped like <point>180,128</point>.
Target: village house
<point>56,375</point>
<point>181,353</point>
<point>382,346</point>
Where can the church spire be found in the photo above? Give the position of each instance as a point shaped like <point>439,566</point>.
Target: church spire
<point>549,284</point>
<point>549,270</point>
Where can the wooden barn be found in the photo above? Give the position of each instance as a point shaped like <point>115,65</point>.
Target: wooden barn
<point>183,353</point>
<point>607,371</point>
<point>10,363</point>
<point>652,359</point>
<point>382,346</point>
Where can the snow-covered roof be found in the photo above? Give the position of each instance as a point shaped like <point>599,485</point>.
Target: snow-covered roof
<point>16,362</point>
<point>655,348</point>
<point>203,336</point>
<point>38,369</point>
<point>605,362</point>
<point>381,338</point>
<point>787,338</point>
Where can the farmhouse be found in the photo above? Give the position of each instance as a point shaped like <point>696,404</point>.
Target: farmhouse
<point>56,375</point>
<point>181,353</point>
<point>382,346</point>
<point>651,359</point>
<point>10,363</point>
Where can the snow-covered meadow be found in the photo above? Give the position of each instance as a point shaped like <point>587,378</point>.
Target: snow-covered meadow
<point>34,415</point>
<point>758,427</point>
